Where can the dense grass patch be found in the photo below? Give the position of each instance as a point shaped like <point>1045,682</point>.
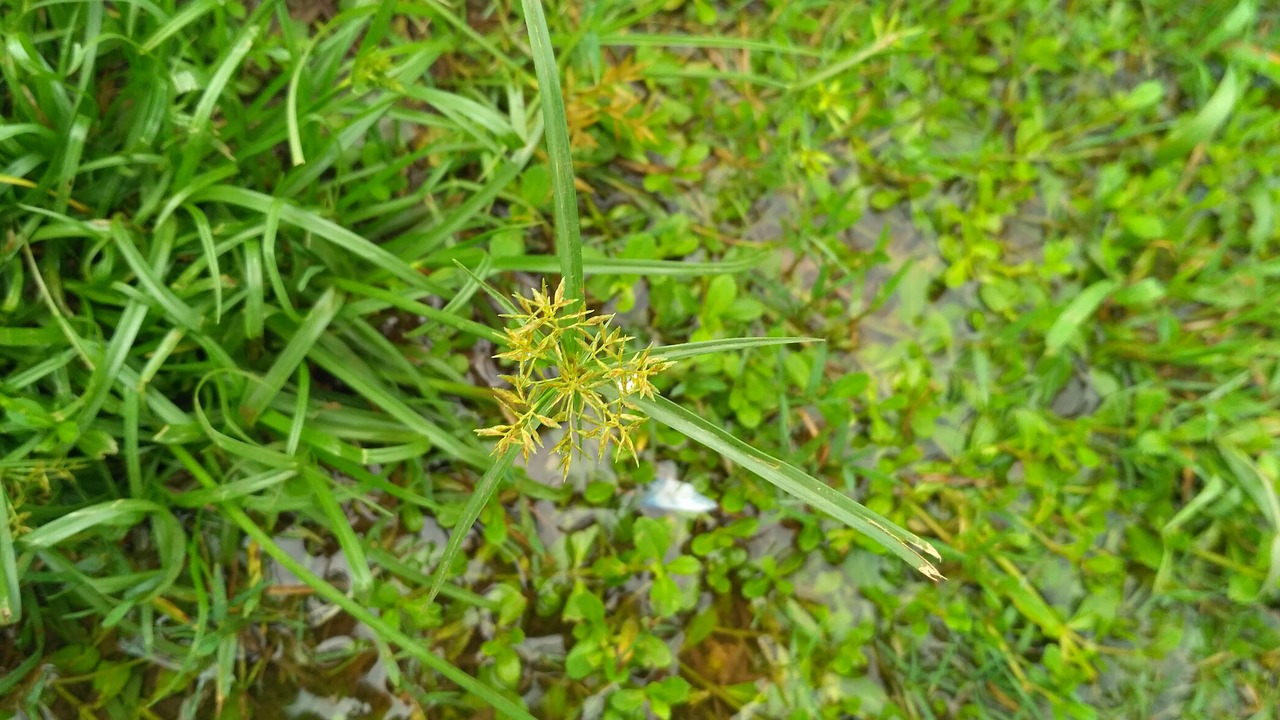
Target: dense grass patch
<point>247,321</point>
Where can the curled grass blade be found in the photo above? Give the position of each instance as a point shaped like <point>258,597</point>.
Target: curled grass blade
<point>238,448</point>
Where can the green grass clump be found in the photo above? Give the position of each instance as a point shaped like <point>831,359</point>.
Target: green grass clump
<point>248,324</point>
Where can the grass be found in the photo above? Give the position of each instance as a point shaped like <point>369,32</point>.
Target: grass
<point>246,328</point>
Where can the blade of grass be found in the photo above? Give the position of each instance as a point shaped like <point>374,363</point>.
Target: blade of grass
<point>69,153</point>
<point>629,266</point>
<point>292,127</point>
<point>105,374</point>
<point>352,132</point>
<point>211,258</point>
<point>708,347</point>
<point>344,424</point>
<point>896,540</point>
<point>883,44</point>
<point>461,24</point>
<point>233,490</point>
<point>1204,124</point>
<point>190,13</point>
<point>393,365</point>
<point>270,233</point>
<point>260,393</point>
<point>176,309</point>
<point>1080,308</point>
<point>340,526</point>
<point>546,264</point>
<point>22,671</point>
<point>238,448</point>
<point>626,39</point>
<point>377,29</point>
<point>712,74</point>
<point>254,289</point>
<point>10,593</point>
<point>564,195</point>
<point>502,301</point>
<point>129,414</point>
<point>202,115</point>
<point>480,495</point>
<point>197,183</point>
<point>472,117</point>
<point>469,287</point>
<point>298,422</point>
<point>404,571</point>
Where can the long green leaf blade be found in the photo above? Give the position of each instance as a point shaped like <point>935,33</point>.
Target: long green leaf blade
<point>900,542</point>
<point>480,495</point>
<point>260,393</point>
<point>710,347</point>
<point>10,597</point>
<point>564,196</point>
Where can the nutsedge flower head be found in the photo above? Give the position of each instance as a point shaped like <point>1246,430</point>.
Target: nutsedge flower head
<point>572,371</point>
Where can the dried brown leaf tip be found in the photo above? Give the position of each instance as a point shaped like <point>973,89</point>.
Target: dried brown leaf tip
<point>573,371</point>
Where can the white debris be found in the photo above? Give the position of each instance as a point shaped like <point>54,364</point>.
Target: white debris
<point>669,495</point>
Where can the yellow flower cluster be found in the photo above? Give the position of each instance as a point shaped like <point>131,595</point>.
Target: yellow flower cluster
<point>572,371</point>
